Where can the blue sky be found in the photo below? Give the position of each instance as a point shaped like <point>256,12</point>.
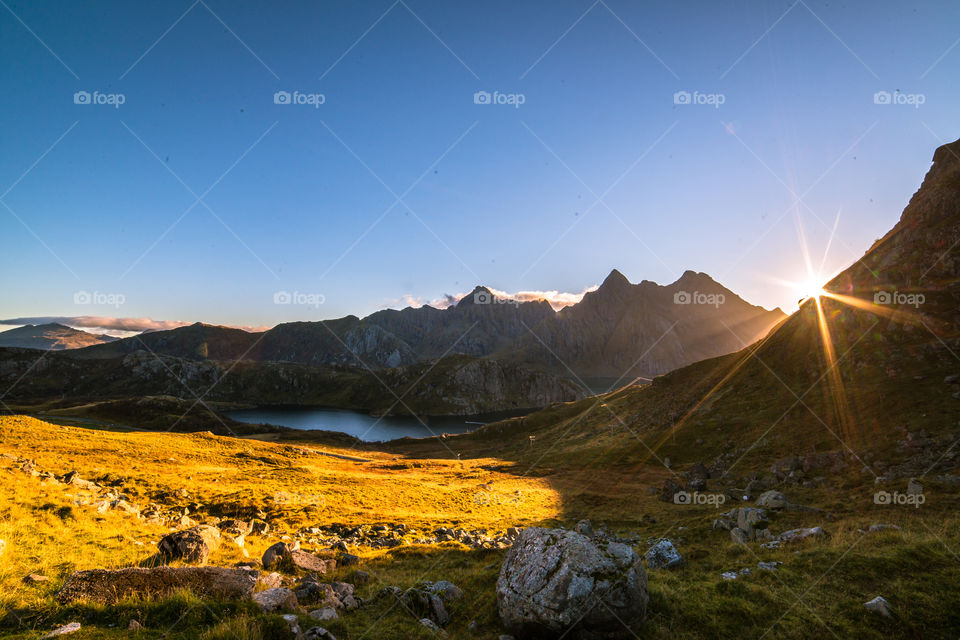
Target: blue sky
<point>200,198</point>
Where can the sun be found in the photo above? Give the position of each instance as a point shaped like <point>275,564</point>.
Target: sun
<point>811,289</point>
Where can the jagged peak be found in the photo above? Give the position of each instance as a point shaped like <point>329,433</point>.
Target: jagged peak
<point>615,279</point>
<point>471,298</point>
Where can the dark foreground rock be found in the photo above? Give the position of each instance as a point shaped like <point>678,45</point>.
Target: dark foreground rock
<point>192,545</point>
<point>106,586</point>
<point>553,582</point>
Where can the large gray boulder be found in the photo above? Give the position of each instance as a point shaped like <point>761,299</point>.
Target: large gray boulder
<point>558,582</point>
<point>106,586</point>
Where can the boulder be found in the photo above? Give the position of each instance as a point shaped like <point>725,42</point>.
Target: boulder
<point>277,599</point>
<point>106,586</point>
<point>663,555</point>
<point>271,580</point>
<point>309,562</point>
<point>318,633</point>
<point>447,591</point>
<point>349,560</point>
<point>670,488</point>
<point>552,580</point>
<point>235,527</point>
<point>192,546</point>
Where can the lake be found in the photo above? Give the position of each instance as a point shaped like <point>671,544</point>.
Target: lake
<point>366,427</point>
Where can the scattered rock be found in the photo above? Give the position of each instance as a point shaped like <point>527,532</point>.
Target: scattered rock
<point>293,623</point>
<point>773,500</point>
<point>876,528</point>
<point>362,577</point>
<point>134,626</point>
<point>323,614</point>
<point>34,578</point>
<point>424,603</point>
<point>584,527</point>
<point>349,560</point>
<point>768,566</point>
<point>795,535</point>
<point>271,580</point>
<point>277,552</point>
<point>430,624</point>
<point>73,627</point>
<point>670,489</point>
<point>552,579</point>
<point>879,605</point>
<point>106,586</point>
<point>277,599</point>
<point>192,546</point>
<point>309,562</point>
<point>447,591</point>
<point>318,633</point>
<point>729,575</point>
<point>663,555</point>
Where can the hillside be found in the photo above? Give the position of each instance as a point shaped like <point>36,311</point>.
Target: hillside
<point>51,336</point>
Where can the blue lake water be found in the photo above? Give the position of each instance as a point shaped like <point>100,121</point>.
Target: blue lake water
<point>366,427</point>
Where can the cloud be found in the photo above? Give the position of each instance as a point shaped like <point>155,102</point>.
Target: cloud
<point>557,299</point>
<point>122,327</point>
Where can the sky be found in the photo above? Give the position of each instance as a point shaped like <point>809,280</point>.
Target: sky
<point>248,164</point>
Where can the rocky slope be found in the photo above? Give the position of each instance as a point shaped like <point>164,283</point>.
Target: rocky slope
<point>51,336</point>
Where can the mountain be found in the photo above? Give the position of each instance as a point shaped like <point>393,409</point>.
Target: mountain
<point>864,379</point>
<point>51,337</point>
<point>646,329</point>
<point>195,341</point>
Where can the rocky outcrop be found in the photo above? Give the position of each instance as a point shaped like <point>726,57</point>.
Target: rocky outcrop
<point>105,586</point>
<point>552,580</point>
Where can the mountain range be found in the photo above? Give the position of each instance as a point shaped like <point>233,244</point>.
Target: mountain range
<point>620,330</point>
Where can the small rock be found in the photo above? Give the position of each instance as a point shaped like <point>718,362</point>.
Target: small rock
<point>876,528</point>
<point>318,633</point>
<point>349,560</point>
<point>276,599</point>
<point>729,575</point>
<point>293,623</point>
<point>362,577</point>
<point>799,534</point>
<point>663,555</point>
<point>73,627</point>
<point>584,527</point>
<point>277,552</point>
<point>271,580</point>
<point>192,545</point>
<point>134,626</point>
<point>768,566</point>
<point>773,500</point>
<point>33,578</point>
<point>430,624</point>
<point>324,614</point>
<point>879,605</point>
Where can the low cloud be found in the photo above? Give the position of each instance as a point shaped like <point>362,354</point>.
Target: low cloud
<point>557,299</point>
<point>121,327</point>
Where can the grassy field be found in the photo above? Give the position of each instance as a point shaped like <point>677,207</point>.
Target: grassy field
<point>817,592</point>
